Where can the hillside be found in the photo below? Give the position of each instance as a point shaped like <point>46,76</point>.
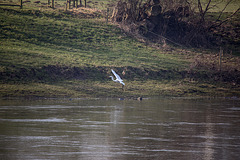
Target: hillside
<point>52,53</point>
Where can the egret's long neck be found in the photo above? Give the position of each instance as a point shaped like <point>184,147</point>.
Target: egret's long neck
<point>112,78</point>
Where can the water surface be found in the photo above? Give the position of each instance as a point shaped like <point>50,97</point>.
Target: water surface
<point>158,128</point>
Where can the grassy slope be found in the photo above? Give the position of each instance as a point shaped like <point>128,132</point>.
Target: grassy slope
<point>47,53</point>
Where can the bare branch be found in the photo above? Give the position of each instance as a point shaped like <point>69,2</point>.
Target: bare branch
<point>203,12</point>
<point>223,10</point>
<point>207,7</point>
<point>200,7</point>
<point>228,18</point>
<point>216,4</point>
<point>200,10</point>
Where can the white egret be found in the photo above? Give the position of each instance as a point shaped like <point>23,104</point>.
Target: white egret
<point>118,78</point>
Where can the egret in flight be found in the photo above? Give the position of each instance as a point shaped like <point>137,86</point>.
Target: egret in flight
<point>118,78</point>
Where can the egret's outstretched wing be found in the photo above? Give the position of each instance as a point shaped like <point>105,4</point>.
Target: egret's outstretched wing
<point>116,75</point>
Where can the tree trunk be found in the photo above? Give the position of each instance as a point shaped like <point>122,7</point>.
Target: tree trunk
<point>52,3</point>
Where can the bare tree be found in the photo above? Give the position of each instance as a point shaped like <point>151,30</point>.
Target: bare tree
<point>211,4</point>
<point>182,21</point>
<point>202,23</point>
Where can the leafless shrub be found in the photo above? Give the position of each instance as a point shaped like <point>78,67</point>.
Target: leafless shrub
<point>177,21</point>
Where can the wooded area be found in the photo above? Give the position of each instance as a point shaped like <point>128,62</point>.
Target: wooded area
<point>75,4</point>
<point>51,3</point>
<point>178,21</point>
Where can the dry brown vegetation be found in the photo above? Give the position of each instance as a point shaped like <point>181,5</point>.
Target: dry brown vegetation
<point>180,22</point>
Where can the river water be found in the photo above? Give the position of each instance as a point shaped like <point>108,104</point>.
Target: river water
<point>102,129</point>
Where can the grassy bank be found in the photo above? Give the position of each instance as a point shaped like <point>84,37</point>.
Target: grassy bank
<point>52,53</point>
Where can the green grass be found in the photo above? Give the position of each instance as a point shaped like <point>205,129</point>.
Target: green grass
<point>74,42</point>
<point>50,53</point>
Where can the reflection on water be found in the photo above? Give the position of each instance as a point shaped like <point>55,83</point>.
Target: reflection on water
<point>165,128</point>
